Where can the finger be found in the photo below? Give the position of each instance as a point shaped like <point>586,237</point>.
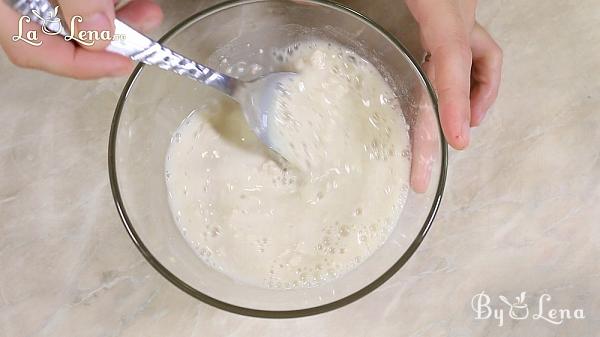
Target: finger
<point>55,55</point>
<point>143,15</point>
<point>452,61</point>
<point>425,145</point>
<point>425,142</point>
<point>486,73</point>
<point>446,36</point>
<point>96,16</point>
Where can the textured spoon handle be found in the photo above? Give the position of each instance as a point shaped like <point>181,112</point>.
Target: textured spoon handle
<point>141,48</point>
<point>133,44</point>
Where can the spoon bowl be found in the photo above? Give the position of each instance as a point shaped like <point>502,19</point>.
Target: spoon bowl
<point>258,100</point>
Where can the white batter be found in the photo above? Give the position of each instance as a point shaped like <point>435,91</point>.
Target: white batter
<point>309,220</point>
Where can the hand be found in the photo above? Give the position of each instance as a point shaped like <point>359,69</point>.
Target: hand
<point>57,56</point>
<point>465,65</point>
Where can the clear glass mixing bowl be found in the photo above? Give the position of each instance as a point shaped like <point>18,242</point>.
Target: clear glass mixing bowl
<point>154,102</point>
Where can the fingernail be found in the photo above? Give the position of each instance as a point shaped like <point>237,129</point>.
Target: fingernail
<point>475,122</point>
<point>123,70</point>
<point>95,22</point>
<point>150,24</point>
<point>427,175</point>
<point>466,132</point>
<point>120,72</point>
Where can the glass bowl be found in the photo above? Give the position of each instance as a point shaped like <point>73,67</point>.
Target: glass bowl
<point>154,102</point>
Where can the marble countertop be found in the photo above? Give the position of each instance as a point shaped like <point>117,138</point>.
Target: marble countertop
<point>520,214</point>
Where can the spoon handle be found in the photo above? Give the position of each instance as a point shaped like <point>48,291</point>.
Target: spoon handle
<point>141,48</point>
<point>132,44</point>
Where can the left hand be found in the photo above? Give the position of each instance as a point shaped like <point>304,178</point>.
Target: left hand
<point>465,65</point>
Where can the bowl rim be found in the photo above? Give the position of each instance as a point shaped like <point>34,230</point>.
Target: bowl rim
<point>260,313</point>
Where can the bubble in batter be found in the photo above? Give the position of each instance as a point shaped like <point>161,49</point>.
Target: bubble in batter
<point>316,216</point>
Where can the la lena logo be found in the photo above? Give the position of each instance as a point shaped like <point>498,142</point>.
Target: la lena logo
<point>52,25</point>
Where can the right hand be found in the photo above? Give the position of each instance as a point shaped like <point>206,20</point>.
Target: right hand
<point>63,58</point>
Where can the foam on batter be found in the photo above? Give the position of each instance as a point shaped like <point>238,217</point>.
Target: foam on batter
<point>308,220</point>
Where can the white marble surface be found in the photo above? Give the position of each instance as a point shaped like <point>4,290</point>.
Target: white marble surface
<point>521,210</point>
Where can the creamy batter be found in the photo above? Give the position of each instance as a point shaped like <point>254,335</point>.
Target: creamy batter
<point>313,217</point>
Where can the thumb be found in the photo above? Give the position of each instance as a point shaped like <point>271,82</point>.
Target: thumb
<point>95,17</point>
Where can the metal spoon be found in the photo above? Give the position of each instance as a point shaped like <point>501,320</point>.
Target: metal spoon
<point>255,97</point>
